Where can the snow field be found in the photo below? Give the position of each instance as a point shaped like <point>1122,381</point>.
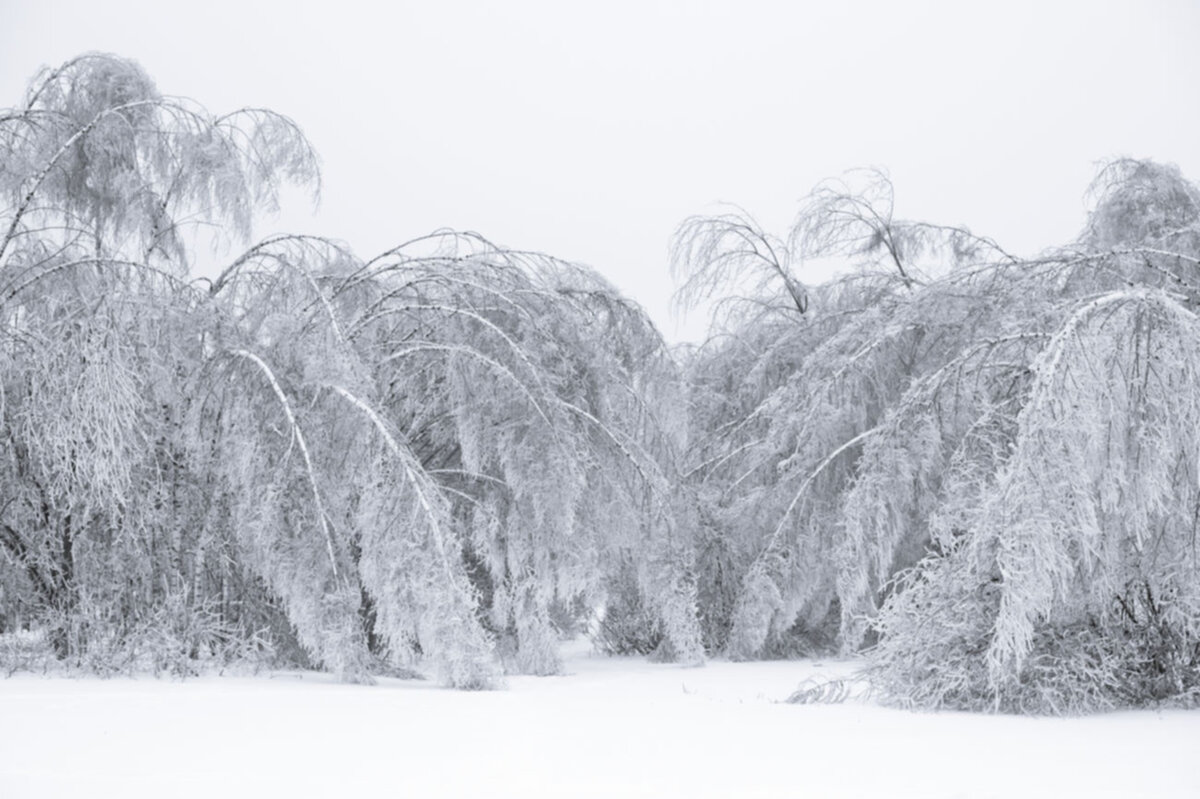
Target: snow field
<point>611,727</point>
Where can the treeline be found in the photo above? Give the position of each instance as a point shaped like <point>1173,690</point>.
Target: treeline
<point>982,470</point>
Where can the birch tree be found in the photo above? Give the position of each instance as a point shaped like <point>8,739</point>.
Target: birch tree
<point>429,457</point>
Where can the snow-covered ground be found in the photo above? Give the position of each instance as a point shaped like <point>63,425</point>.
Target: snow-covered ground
<point>611,727</point>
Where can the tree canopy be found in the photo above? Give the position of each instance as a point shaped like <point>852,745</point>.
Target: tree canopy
<point>432,454</point>
<point>977,468</point>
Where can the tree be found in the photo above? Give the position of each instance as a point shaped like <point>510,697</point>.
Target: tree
<point>1066,581</point>
<point>99,172</point>
<point>794,392</point>
<point>356,464</point>
<point>979,466</point>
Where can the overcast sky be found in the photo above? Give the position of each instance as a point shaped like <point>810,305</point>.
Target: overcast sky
<point>590,131</point>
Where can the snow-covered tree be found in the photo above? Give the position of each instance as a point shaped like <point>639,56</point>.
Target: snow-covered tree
<point>103,339</point>
<point>440,454</point>
<point>793,400</point>
<point>978,463</point>
<point>1066,580</point>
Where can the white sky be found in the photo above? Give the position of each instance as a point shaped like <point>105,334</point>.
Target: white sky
<point>590,131</point>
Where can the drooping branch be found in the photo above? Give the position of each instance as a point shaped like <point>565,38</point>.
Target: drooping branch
<point>298,436</point>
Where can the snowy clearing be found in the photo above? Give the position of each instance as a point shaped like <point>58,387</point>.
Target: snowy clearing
<point>612,727</point>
